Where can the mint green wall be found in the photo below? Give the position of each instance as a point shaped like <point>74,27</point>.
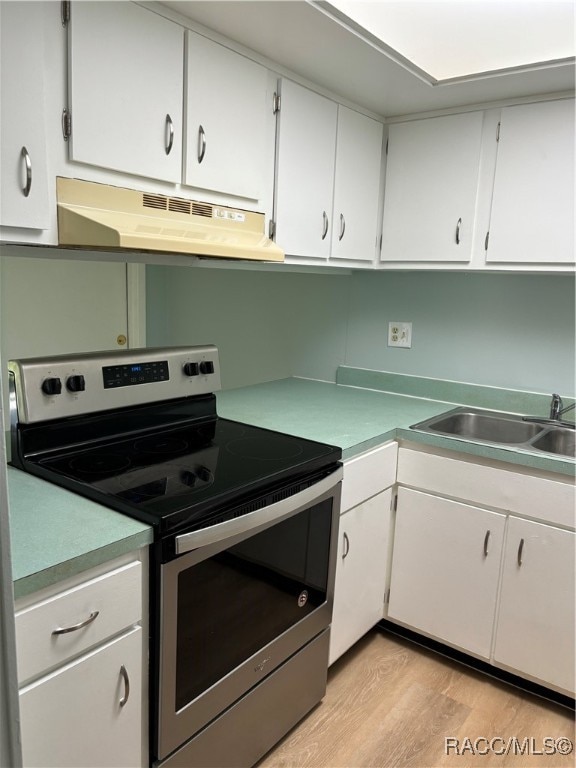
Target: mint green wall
<point>266,325</point>
<point>509,330</point>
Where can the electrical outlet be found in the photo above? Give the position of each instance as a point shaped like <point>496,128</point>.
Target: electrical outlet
<point>400,335</point>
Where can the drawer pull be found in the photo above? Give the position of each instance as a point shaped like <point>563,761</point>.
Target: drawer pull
<point>124,700</point>
<point>346,547</point>
<point>486,540</point>
<point>520,551</point>
<point>325,225</point>
<point>28,164</point>
<point>201,143</point>
<point>458,225</point>
<point>74,627</point>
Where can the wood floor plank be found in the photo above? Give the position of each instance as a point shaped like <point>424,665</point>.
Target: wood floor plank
<point>391,703</point>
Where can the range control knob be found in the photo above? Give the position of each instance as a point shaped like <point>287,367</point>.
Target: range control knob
<point>191,369</point>
<point>75,383</point>
<point>206,366</point>
<point>52,386</point>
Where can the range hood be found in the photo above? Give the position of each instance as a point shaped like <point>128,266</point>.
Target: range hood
<point>92,215</point>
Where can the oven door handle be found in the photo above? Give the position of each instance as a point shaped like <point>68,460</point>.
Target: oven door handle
<point>259,518</point>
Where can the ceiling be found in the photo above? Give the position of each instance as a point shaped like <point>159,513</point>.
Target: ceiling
<point>321,43</point>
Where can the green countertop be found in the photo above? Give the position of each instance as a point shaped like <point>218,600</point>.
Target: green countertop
<point>357,419</point>
<point>56,533</point>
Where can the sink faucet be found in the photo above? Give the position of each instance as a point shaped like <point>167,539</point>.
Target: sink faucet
<point>557,409</point>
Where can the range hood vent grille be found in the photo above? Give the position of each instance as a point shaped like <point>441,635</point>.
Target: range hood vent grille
<point>154,201</point>
<point>202,209</point>
<point>181,206</point>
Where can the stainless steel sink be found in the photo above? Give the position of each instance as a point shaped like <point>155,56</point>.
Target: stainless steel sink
<point>498,428</point>
<point>557,440</point>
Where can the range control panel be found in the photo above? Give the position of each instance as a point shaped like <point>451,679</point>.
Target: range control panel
<point>71,385</point>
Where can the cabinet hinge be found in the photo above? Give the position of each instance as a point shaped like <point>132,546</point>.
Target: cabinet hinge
<point>66,124</point>
<point>276,103</point>
<point>65,12</point>
<point>395,503</point>
<point>387,140</point>
<point>271,229</point>
<point>498,132</point>
<point>387,596</point>
<point>486,240</point>
<point>380,245</point>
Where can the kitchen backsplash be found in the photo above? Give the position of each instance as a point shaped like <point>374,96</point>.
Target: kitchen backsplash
<point>507,330</point>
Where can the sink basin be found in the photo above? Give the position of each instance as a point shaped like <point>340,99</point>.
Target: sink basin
<point>484,426</point>
<point>557,440</point>
<point>499,428</point>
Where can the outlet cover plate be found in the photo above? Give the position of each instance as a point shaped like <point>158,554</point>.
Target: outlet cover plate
<point>400,335</point>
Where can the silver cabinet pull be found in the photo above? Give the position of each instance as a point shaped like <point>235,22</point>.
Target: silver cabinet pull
<point>28,164</point>
<point>75,627</point>
<point>201,144</point>
<point>458,225</point>
<point>520,551</point>
<point>346,546</point>
<point>169,134</point>
<point>342,226</point>
<point>486,540</point>
<point>124,700</point>
<point>325,229</point>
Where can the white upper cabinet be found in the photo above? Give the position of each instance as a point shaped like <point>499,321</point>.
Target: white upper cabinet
<point>356,186</point>
<point>126,85</point>
<point>226,118</point>
<point>431,189</point>
<point>327,177</point>
<point>533,203</point>
<point>305,171</point>
<point>23,179</point>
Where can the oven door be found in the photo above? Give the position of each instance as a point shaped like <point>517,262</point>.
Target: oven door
<point>235,609</point>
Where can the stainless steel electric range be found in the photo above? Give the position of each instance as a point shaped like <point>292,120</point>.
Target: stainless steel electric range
<point>245,522</point>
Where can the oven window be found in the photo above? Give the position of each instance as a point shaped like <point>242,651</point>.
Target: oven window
<point>233,604</point>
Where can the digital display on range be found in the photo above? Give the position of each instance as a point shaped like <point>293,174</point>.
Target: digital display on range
<point>134,373</point>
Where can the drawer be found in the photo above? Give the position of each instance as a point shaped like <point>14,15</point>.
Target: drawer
<point>542,498</point>
<point>368,474</point>
<point>99,608</point>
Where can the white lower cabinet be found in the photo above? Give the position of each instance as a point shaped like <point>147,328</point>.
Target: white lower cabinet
<point>89,712</point>
<point>445,569</point>
<point>82,669</point>
<point>535,631</point>
<point>470,569</point>
<point>360,572</point>
<point>363,545</point>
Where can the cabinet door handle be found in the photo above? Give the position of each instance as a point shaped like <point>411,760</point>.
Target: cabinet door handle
<point>520,551</point>
<point>201,144</point>
<point>28,165</point>
<point>486,540</point>
<point>342,226</point>
<point>124,700</point>
<point>169,134</point>
<point>325,229</point>
<point>458,225</point>
<point>346,546</point>
<point>75,627</point>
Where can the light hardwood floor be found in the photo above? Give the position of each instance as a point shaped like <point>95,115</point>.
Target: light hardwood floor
<point>391,703</point>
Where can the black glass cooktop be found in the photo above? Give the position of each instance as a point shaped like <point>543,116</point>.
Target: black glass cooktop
<point>175,477</point>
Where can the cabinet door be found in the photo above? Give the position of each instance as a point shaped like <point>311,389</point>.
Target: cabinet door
<point>535,633</point>
<point>445,569</point>
<point>75,716</point>
<point>533,203</point>
<point>356,186</point>
<point>126,86</point>
<point>23,180</point>
<point>431,188</point>
<point>226,115</point>
<point>360,572</point>
<point>305,171</point>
